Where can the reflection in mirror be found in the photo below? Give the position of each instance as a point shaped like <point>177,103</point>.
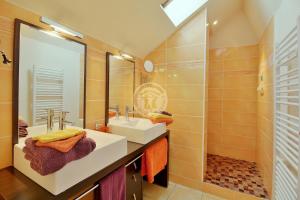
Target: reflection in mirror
<point>51,76</point>
<point>121,84</point>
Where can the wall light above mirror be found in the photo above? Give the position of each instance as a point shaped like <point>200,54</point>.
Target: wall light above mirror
<point>61,28</point>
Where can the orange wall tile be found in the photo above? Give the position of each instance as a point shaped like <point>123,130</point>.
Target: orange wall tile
<point>180,70</point>
<point>95,76</point>
<point>232,103</point>
<point>264,153</point>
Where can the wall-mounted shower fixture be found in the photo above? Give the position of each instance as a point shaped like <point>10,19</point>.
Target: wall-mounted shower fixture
<point>5,59</point>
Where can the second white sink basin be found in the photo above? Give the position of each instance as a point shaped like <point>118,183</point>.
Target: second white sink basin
<point>109,148</point>
<point>137,130</point>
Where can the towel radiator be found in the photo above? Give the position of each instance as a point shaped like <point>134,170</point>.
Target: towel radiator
<point>287,118</point>
<point>47,92</point>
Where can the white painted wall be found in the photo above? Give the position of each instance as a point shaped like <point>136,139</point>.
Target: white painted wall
<point>233,32</point>
<point>45,54</point>
<point>259,13</point>
<point>286,18</point>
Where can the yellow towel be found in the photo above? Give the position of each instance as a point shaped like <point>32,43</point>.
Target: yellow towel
<point>159,116</point>
<point>57,135</point>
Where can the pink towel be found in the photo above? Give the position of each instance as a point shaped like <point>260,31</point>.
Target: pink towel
<point>113,187</point>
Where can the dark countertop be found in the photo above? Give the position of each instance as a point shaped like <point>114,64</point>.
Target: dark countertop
<point>15,185</point>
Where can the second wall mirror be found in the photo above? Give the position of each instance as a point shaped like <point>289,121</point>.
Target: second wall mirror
<point>120,85</point>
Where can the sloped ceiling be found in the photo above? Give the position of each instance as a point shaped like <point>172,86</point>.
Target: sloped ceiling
<point>260,12</point>
<point>138,26</point>
<point>134,26</point>
<point>241,22</point>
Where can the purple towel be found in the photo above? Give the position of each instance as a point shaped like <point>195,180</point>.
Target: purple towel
<point>22,125</point>
<point>46,160</point>
<point>113,186</point>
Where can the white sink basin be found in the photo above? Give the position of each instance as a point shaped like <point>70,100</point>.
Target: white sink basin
<point>137,130</point>
<point>109,148</point>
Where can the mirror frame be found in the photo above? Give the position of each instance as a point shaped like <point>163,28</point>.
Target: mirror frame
<point>108,54</point>
<point>16,66</point>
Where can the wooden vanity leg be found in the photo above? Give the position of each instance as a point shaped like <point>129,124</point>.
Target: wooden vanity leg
<point>162,178</point>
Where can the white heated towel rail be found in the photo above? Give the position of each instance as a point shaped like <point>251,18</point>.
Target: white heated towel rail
<point>287,118</point>
<point>47,92</point>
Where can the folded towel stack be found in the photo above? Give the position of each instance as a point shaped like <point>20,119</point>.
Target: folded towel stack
<point>161,117</point>
<point>57,135</point>
<point>22,126</point>
<point>51,152</point>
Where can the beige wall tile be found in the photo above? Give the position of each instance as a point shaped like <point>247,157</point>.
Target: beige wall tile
<point>189,182</point>
<point>187,123</point>
<point>6,84</point>
<point>182,74</point>
<point>5,120</point>
<point>232,102</point>
<point>186,107</point>
<point>216,80</point>
<point>96,69</point>
<point>240,94</point>
<point>180,70</point>
<point>95,90</point>
<point>186,169</point>
<point>185,53</point>
<point>239,106</point>
<point>5,151</point>
<point>187,92</point>
<point>185,138</point>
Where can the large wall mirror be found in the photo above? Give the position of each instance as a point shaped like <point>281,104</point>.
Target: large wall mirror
<point>49,73</point>
<point>120,83</point>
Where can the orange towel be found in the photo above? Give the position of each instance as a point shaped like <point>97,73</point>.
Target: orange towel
<point>162,120</point>
<point>63,145</point>
<point>104,129</point>
<point>111,114</point>
<point>154,159</point>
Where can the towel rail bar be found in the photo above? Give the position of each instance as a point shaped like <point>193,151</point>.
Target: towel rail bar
<point>87,192</point>
<point>134,160</point>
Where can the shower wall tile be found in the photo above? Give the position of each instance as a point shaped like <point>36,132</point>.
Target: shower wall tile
<point>264,154</point>
<point>232,105</point>
<point>95,76</point>
<point>6,79</point>
<point>183,77</point>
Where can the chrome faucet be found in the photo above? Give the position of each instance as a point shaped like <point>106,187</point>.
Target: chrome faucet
<point>62,120</point>
<point>117,110</point>
<point>127,112</point>
<point>50,121</point>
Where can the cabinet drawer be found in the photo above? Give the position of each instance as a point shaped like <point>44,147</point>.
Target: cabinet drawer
<point>134,180</point>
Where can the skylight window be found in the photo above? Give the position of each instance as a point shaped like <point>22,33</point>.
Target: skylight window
<point>180,10</point>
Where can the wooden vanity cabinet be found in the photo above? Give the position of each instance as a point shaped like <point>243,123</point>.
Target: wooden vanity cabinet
<point>134,180</point>
<point>89,193</point>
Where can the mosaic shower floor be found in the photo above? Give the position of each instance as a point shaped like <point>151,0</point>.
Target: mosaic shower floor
<point>238,175</point>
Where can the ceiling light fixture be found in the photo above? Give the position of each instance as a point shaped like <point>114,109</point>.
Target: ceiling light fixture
<point>52,33</point>
<point>118,57</point>
<point>60,28</point>
<point>126,56</point>
<point>215,22</point>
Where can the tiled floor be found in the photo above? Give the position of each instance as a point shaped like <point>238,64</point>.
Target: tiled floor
<point>234,174</point>
<point>174,192</point>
